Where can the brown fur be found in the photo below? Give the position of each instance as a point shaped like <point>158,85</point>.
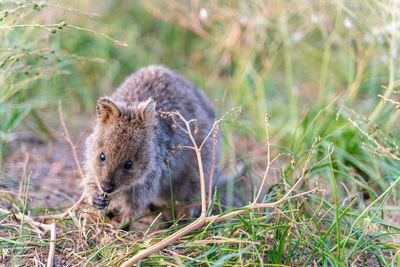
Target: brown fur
<point>129,128</point>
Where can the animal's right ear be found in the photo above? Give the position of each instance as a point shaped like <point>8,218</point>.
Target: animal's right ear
<point>146,111</point>
<point>107,111</point>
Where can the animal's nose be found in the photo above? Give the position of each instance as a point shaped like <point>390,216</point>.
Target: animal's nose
<point>107,187</point>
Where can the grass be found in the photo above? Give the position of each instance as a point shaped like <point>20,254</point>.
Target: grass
<point>316,67</point>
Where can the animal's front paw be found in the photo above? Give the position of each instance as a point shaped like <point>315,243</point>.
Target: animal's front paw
<point>100,201</point>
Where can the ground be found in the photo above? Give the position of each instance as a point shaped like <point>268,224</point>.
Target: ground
<point>54,176</point>
<point>55,187</point>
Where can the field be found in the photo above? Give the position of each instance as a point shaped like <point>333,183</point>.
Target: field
<point>311,93</point>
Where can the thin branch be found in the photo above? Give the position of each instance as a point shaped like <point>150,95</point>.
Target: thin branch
<point>267,119</point>
<point>210,182</point>
<point>170,115</point>
<point>165,242</point>
<point>148,229</point>
<point>69,140</point>
<point>188,147</point>
<point>202,183</point>
<point>74,207</point>
<point>239,111</point>
<point>53,237</point>
<point>390,100</point>
<point>303,172</point>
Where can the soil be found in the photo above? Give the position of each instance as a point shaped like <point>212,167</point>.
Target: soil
<point>54,176</point>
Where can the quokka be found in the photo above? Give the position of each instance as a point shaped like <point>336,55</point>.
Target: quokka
<point>129,149</point>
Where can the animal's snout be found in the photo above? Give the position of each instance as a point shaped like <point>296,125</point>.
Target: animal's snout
<point>107,187</point>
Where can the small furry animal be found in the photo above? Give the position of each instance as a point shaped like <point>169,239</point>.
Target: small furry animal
<point>129,150</point>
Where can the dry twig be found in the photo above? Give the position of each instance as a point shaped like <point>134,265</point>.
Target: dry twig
<point>53,237</point>
<point>211,174</point>
<point>152,223</point>
<point>267,119</point>
<point>69,140</point>
<point>73,147</point>
<point>396,103</point>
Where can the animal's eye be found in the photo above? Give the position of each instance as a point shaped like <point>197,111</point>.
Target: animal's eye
<point>128,165</point>
<point>102,156</point>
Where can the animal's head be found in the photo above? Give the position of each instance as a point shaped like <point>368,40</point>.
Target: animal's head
<point>120,147</point>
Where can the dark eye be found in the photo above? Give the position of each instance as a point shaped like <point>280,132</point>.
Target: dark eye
<point>128,165</point>
<point>102,156</point>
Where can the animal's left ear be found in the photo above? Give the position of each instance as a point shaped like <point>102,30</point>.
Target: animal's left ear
<point>146,111</point>
<point>107,111</point>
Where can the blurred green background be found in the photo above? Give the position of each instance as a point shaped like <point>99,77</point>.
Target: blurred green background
<point>312,65</point>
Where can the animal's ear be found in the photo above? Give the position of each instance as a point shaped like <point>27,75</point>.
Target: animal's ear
<point>146,111</point>
<point>107,111</point>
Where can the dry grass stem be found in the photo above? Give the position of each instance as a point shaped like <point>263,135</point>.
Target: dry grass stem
<point>211,174</point>
<point>396,103</point>
<point>53,237</point>
<point>152,223</point>
<point>383,149</point>
<point>74,207</point>
<point>198,223</point>
<point>267,119</point>
<point>69,140</point>
<point>39,227</point>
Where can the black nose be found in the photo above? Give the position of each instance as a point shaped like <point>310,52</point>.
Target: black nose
<point>106,187</point>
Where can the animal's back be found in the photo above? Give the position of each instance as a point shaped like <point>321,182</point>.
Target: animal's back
<point>170,91</point>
